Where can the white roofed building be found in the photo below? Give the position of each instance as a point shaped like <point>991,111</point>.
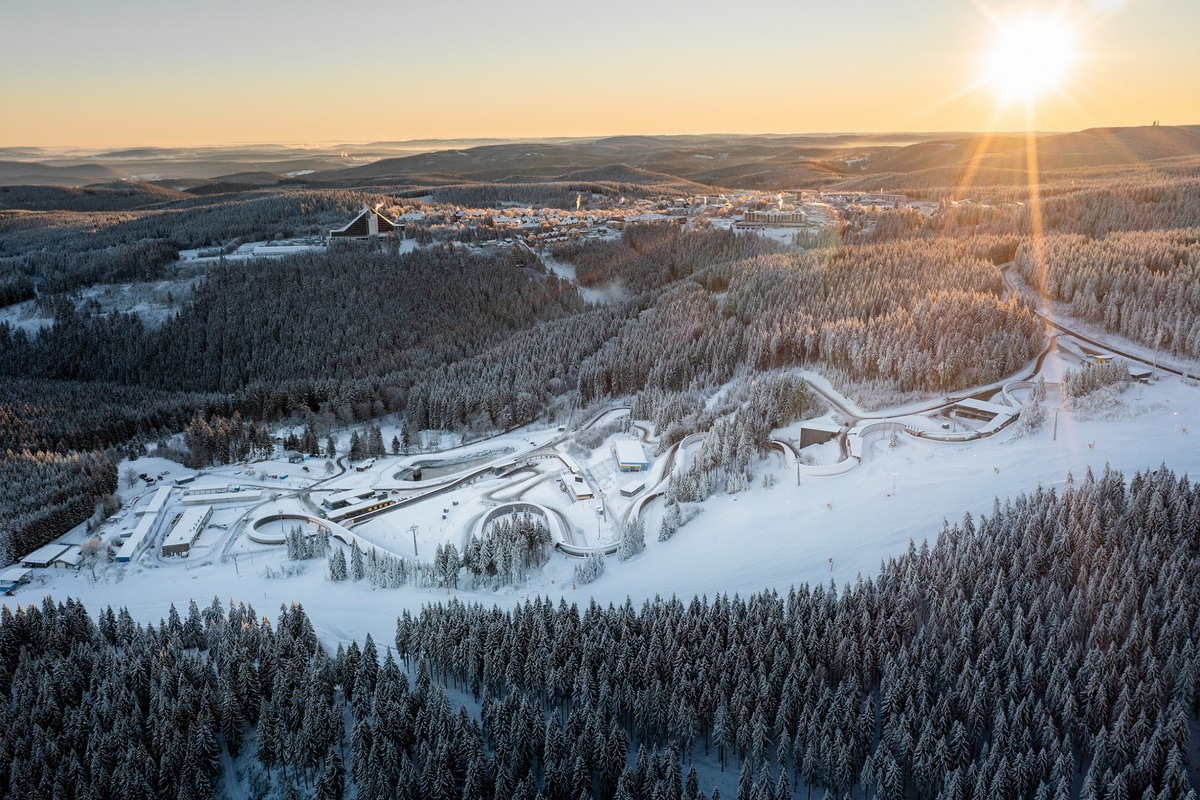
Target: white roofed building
<point>630,456</point>
<point>44,556</point>
<point>187,529</point>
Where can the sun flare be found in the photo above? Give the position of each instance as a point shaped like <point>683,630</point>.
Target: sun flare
<point>1031,56</point>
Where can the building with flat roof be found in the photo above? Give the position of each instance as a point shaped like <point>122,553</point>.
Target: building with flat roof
<point>579,488</point>
<point>44,556</point>
<point>13,577</point>
<point>234,496</point>
<point>70,558</point>
<point>186,530</point>
<point>345,498</point>
<point>630,456</point>
<point>775,218</point>
<point>145,530</point>
<point>633,487</point>
<point>157,501</point>
<point>815,431</point>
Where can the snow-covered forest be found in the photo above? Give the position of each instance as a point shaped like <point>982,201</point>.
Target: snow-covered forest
<point>46,493</point>
<point>1046,650</point>
<point>1144,286</point>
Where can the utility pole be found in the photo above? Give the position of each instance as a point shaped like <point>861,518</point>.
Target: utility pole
<point>1157,342</point>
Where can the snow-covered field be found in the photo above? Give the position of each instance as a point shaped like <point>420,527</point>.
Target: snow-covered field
<point>612,293</point>
<point>837,527</point>
<point>153,301</point>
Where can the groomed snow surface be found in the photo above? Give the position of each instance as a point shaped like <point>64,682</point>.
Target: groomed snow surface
<point>837,527</point>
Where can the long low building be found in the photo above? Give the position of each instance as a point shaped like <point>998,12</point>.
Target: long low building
<point>44,556</point>
<point>143,532</point>
<point>157,501</point>
<point>186,530</point>
<point>222,488</point>
<point>252,496</point>
<point>346,497</point>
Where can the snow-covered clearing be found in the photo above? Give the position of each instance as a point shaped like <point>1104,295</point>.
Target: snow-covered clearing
<point>614,292</point>
<point>153,301</point>
<point>251,250</point>
<point>26,316</point>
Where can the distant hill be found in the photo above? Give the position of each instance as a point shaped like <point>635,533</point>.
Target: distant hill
<point>625,174</point>
<point>123,196</point>
<point>1099,146</point>
<point>33,173</point>
<point>985,155</point>
<point>237,182</point>
<point>712,161</point>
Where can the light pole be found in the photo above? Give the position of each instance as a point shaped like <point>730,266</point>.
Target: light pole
<point>1157,341</point>
<point>893,485</point>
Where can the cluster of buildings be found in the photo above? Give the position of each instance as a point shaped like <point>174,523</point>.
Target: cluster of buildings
<point>541,226</point>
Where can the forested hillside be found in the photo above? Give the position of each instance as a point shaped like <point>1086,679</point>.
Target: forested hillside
<point>46,493</point>
<point>1144,286</point>
<point>1047,650</point>
<point>66,249</point>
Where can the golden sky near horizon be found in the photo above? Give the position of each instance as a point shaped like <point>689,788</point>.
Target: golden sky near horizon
<point>169,73</point>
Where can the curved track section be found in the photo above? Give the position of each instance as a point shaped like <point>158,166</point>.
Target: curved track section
<point>520,507</point>
<point>344,535</point>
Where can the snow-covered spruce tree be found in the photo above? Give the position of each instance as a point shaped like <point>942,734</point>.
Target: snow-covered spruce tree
<point>337,565</point>
<point>670,521</point>
<point>1031,417</point>
<point>633,540</point>
<point>1078,384</point>
<point>588,570</point>
<point>301,546</point>
<point>446,565</point>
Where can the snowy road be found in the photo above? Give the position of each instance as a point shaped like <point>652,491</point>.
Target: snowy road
<point>1046,316</point>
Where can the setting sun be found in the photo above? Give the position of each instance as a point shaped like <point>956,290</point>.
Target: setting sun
<point>1032,55</point>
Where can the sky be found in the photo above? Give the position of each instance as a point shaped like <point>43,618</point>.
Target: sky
<point>174,73</point>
